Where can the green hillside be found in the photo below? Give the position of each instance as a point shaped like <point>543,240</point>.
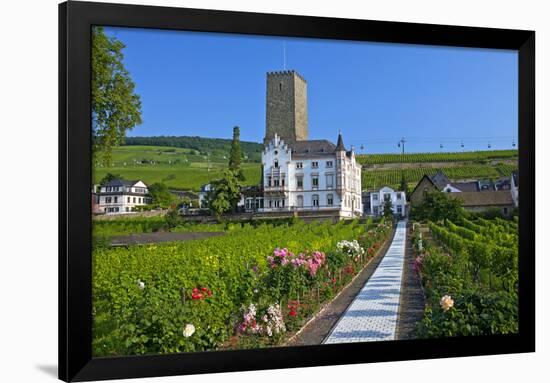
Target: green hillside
<point>188,169</point>
<point>215,147</point>
<point>179,168</point>
<point>372,179</point>
<point>479,156</point>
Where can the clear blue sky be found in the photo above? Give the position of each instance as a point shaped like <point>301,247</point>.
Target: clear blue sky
<point>204,84</point>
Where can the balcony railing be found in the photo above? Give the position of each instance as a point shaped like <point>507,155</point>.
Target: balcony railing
<point>276,188</point>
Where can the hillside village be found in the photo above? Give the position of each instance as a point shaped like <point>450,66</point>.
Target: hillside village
<point>314,178</point>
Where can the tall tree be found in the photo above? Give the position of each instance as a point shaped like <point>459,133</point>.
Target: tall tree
<point>109,177</point>
<point>225,194</point>
<point>437,206</point>
<point>388,209</point>
<point>235,154</point>
<point>116,108</point>
<point>160,195</point>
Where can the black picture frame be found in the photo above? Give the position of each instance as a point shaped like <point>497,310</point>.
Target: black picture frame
<point>75,283</point>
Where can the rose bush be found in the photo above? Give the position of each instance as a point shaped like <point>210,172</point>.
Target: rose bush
<point>206,282</point>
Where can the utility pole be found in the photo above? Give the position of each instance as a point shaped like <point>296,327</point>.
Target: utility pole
<point>401,144</point>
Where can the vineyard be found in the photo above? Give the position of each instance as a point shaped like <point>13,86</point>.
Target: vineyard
<point>372,179</point>
<point>188,168</point>
<point>248,289</point>
<point>104,229</point>
<point>373,159</point>
<point>469,271</point>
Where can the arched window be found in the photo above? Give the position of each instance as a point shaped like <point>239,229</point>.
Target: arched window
<point>300,201</point>
<point>330,200</point>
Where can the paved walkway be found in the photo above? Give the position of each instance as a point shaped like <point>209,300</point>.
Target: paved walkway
<point>372,316</point>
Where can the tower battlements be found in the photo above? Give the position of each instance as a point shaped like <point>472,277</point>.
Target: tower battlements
<point>286,73</point>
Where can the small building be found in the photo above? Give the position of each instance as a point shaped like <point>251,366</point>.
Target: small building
<point>120,196</point>
<point>477,202</point>
<point>379,198</point>
<point>438,182</point>
<point>514,188</point>
<point>203,195</point>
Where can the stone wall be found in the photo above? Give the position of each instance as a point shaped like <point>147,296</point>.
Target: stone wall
<point>286,106</point>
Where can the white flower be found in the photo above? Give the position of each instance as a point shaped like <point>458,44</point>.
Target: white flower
<point>188,330</point>
<point>446,302</point>
<point>141,284</point>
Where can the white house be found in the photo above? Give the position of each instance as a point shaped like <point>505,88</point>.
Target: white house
<point>379,198</point>
<point>515,188</point>
<point>203,193</point>
<point>121,196</point>
<point>311,175</point>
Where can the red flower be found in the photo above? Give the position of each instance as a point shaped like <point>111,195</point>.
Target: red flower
<point>292,312</point>
<point>204,292</point>
<point>196,296</point>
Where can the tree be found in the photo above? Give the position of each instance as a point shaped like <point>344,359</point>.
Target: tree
<point>225,193</point>
<point>160,195</point>
<point>116,108</point>
<point>235,154</point>
<point>437,206</point>
<point>388,211</point>
<point>109,177</point>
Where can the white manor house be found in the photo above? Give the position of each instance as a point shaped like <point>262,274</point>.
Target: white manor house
<point>300,174</point>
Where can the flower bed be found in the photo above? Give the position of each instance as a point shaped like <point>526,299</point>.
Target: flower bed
<point>247,289</point>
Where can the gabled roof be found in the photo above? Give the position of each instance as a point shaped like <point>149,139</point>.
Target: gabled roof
<point>466,186</point>
<point>119,182</point>
<point>311,147</point>
<point>425,176</point>
<point>488,198</point>
<point>440,180</point>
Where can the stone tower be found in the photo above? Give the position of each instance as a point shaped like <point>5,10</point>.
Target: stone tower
<point>286,107</point>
